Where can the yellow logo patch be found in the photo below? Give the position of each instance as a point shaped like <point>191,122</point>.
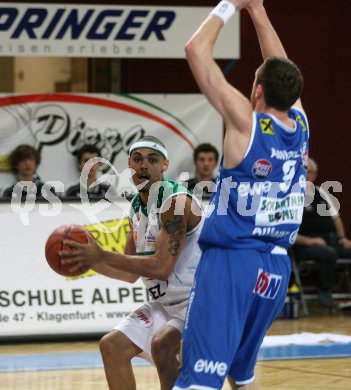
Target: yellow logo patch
<point>114,241</point>
<point>299,119</point>
<point>266,126</point>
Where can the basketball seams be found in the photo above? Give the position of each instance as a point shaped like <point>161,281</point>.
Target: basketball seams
<point>61,245</point>
<point>55,242</point>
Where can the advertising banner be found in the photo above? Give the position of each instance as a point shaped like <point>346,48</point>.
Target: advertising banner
<point>59,124</point>
<point>119,31</point>
<point>34,300</point>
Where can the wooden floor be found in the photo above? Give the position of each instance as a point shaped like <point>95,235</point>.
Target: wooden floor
<point>309,374</point>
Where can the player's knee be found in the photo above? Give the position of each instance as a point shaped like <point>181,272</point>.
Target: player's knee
<point>111,346</point>
<point>160,347</point>
<point>232,383</point>
<point>106,345</point>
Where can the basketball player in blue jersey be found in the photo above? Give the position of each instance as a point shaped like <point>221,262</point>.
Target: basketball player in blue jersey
<point>163,249</point>
<point>243,274</point>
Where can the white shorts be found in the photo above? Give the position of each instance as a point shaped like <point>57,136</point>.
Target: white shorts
<point>141,325</point>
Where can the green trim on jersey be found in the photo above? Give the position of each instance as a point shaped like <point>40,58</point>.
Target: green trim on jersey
<point>167,189</point>
<point>145,253</point>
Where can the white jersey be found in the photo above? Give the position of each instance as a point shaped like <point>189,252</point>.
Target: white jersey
<point>146,225</point>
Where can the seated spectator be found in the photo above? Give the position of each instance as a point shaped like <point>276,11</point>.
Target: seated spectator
<point>205,160</point>
<point>321,238</point>
<point>97,191</point>
<point>24,161</point>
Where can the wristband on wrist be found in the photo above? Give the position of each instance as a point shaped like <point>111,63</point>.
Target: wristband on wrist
<point>224,10</point>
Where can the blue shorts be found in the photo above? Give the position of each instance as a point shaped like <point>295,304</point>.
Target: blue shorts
<point>235,297</point>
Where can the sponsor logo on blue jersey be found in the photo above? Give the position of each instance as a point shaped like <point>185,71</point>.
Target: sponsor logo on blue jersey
<point>270,232</point>
<point>276,211</point>
<point>267,284</point>
<point>266,126</point>
<point>283,154</point>
<point>210,367</point>
<point>302,123</point>
<point>261,169</point>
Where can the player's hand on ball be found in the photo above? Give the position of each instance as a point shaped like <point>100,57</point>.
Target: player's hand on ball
<point>81,255</point>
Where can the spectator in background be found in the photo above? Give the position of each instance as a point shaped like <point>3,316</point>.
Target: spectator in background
<point>24,161</point>
<point>205,160</point>
<point>86,184</point>
<point>322,236</point>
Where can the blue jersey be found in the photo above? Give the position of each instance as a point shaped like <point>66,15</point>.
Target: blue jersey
<point>259,204</point>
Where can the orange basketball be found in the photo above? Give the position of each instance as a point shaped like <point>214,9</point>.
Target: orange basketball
<point>54,245</point>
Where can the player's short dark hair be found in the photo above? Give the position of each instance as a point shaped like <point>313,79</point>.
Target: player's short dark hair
<point>207,148</point>
<point>87,148</point>
<point>22,152</point>
<point>282,82</point>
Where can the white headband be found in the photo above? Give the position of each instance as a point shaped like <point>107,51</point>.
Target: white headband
<point>149,145</point>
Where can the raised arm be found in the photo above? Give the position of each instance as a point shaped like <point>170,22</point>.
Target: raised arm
<point>235,108</point>
<point>270,43</point>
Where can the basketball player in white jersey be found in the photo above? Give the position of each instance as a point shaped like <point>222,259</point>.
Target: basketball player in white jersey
<point>162,249</point>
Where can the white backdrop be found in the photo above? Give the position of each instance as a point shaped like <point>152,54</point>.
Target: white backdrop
<point>37,302</point>
<point>34,300</point>
<point>58,124</point>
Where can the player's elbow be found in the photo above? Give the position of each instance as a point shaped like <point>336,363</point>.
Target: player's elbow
<point>188,48</point>
<point>191,50</point>
<point>199,48</point>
